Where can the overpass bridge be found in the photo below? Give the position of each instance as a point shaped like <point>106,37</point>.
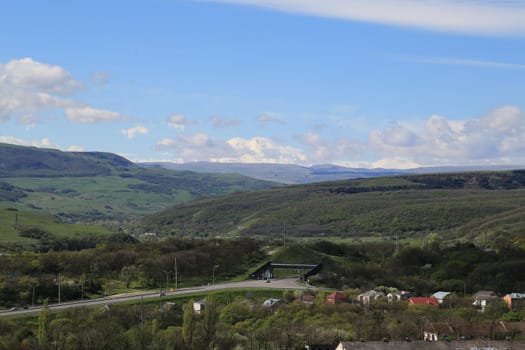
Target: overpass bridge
<point>305,270</point>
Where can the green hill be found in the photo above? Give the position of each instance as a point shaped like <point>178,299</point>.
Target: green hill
<point>467,205</point>
<point>20,161</point>
<point>97,186</point>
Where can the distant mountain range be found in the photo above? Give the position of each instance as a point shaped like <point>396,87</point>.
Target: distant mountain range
<point>296,174</point>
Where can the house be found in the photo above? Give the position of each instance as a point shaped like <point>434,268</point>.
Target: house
<point>514,300</point>
<point>199,306</point>
<point>336,298</point>
<point>440,296</point>
<point>438,331</point>
<point>482,299</point>
<point>305,299</point>
<point>370,296</point>
<point>422,301</point>
<point>271,302</point>
<point>398,296</point>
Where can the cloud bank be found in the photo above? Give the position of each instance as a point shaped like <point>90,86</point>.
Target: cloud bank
<point>486,17</point>
<point>497,137</point>
<point>30,89</point>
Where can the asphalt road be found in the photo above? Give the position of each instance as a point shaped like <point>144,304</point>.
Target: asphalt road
<point>284,283</point>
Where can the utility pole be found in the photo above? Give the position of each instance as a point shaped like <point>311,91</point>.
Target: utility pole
<point>167,272</point>
<point>59,287</point>
<point>213,277</point>
<point>142,321</point>
<point>284,239</point>
<point>176,274</point>
<point>33,297</point>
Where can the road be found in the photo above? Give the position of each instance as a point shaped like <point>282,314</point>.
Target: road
<point>284,283</point>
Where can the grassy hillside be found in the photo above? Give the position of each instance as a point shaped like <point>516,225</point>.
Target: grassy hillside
<point>93,186</point>
<point>469,205</point>
<point>31,230</point>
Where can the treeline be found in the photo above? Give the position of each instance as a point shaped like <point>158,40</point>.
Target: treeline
<point>27,278</point>
<point>461,268</point>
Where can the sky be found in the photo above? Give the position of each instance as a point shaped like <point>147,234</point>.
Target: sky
<point>358,83</point>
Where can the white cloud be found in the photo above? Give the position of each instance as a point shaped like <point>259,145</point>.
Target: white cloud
<point>179,122</point>
<point>43,143</point>
<point>200,146</point>
<point>29,74</point>
<point>488,17</point>
<point>75,148</point>
<point>497,137</point>
<point>270,118</point>
<point>88,115</point>
<point>394,163</point>
<point>318,149</point>
<point>263,150</point>
<point>203,147</point>
<point>29,90</point>
<point>132,132</point>
<point>223,122</point>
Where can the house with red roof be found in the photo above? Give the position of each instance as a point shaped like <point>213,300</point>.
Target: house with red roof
<point>336,298</point>
<point>418,301</point>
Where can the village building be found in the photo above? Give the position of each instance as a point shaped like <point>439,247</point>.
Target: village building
<point>514,300</point>
<point>423,301</point>
<point>336,298</point>
<point>482,299</point>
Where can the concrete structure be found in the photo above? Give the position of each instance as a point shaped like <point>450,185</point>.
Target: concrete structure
<point>266,271</point>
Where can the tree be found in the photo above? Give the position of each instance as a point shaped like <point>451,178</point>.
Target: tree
<point>210,322</point>
<point>188,324</point>
<point>43,326</point>
<point>127,273</point>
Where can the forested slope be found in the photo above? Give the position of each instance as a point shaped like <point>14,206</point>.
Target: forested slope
<point>467,205</point>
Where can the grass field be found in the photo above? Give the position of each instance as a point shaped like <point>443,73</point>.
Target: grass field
<point>14,220</point>
<point>93,196</point>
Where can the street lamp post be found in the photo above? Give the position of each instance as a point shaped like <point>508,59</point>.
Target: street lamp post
<point>213,274</point>
<point>167,278</point>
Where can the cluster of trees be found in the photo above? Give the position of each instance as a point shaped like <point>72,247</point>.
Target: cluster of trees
<point>238,319</point>
<point>461,268</point>
<point>28,277</point>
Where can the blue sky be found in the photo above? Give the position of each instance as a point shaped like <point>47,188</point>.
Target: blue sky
<point>375,83</point>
